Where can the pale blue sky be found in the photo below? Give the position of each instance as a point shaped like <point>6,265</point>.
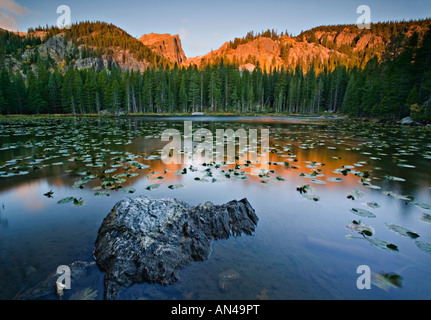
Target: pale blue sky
<point>205,25</point>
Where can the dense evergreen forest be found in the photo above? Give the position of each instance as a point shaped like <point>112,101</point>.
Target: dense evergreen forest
<point>391,86</point>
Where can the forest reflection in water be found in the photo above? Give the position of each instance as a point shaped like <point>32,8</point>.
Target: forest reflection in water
<point>336,194</point>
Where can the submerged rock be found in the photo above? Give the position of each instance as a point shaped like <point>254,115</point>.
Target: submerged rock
<point>228,279</point>
<point>149,240</point>
<point>47,287</point>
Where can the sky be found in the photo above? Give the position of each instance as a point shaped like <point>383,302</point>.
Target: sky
<point>205,25</point>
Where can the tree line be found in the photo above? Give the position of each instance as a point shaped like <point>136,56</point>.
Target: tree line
<point>393,86</point>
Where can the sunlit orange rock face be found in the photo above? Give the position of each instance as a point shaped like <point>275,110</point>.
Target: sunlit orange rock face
<point>315,48</point>
<point>169,46</point>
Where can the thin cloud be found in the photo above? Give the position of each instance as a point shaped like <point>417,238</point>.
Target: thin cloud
<point>7,22</point>
<point>13,9</point>
<point>184,33</point>
<point>198,46</point>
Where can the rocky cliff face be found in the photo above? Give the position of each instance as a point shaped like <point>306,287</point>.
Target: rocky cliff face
<point>332,45</point>
<point>58,50</point>
<point>166,45</point>
<point>348,37</point>
<point>318,47</point>
<point>269,53</point>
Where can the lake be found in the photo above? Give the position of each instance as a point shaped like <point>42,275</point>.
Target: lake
<point>335,195</point>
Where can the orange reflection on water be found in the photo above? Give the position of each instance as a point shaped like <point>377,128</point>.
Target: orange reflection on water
<point>28,194</point>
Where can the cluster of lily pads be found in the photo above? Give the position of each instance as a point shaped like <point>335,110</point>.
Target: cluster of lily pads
<point>92,151</point>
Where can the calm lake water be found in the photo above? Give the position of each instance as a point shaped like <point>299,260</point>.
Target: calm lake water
<point>367,203</point>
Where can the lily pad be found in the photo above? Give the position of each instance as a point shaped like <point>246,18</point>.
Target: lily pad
<point>405,165</point>
<point>311,175</point>
<point>49,194</point>
<point>65,200</point>
<point>362,213</point>
<point>373,205</point>
<point>361,228</point>
<point>129,190</point>
<point>85,294</point>
<point>78,202</point>
<point>7,175</point>
<point>176,186</point>
<point>80,183</point>
<point>392,178</point>
<point>402,231</point>
<point>102,193</point>
<point>426,217</point>
<point>399,196</point>
<point>422,205</point>
<point>58,163</point>
<point>425,247</point>
<point>369,185</point>
<point>303,189</point>
<point>382,244</point>
<point>317,181</point>
<point>386,281</point>
<point>152,186</point>
<point>311,197</point>
<point>356,194</point>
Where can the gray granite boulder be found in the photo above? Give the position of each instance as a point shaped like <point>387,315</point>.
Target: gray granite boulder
<point>149,240</point>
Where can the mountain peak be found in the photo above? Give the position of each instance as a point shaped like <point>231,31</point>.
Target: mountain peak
<point>167,45</point>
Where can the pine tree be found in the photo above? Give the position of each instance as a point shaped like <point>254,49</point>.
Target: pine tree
<point>54,89</point>
<point>194,91</point>
<point>3,103</point>
<point>182,97</point>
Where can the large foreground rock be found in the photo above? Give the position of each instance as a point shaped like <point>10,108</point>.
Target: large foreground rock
<point>149,240</point>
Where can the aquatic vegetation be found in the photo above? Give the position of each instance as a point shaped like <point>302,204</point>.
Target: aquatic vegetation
<point>129,190</point>
<point>399,196</point>
<point>102,193</point>
<point>392,178</point>
<point>49,194</point>
<point>84,294</point>
<point>65,200</point>
<point>422,205</point>
<point>386,281</point>
<point>317,181</point>
<point>382,244</point>
<point>372,205</point>
<point>176,186</point>
<point>303,189</point>
<point>361,228</point>
<point>350,170</point>
<point>311,197</point>
<point>362,213</point>
<point>153,186</point>
<point>425,247</point>
<point>402,231</point>
<point>426,217</point>
<point>356,194</point>
<point>77,202</point>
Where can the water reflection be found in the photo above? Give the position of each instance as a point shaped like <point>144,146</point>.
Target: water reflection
<point>299,251</point>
